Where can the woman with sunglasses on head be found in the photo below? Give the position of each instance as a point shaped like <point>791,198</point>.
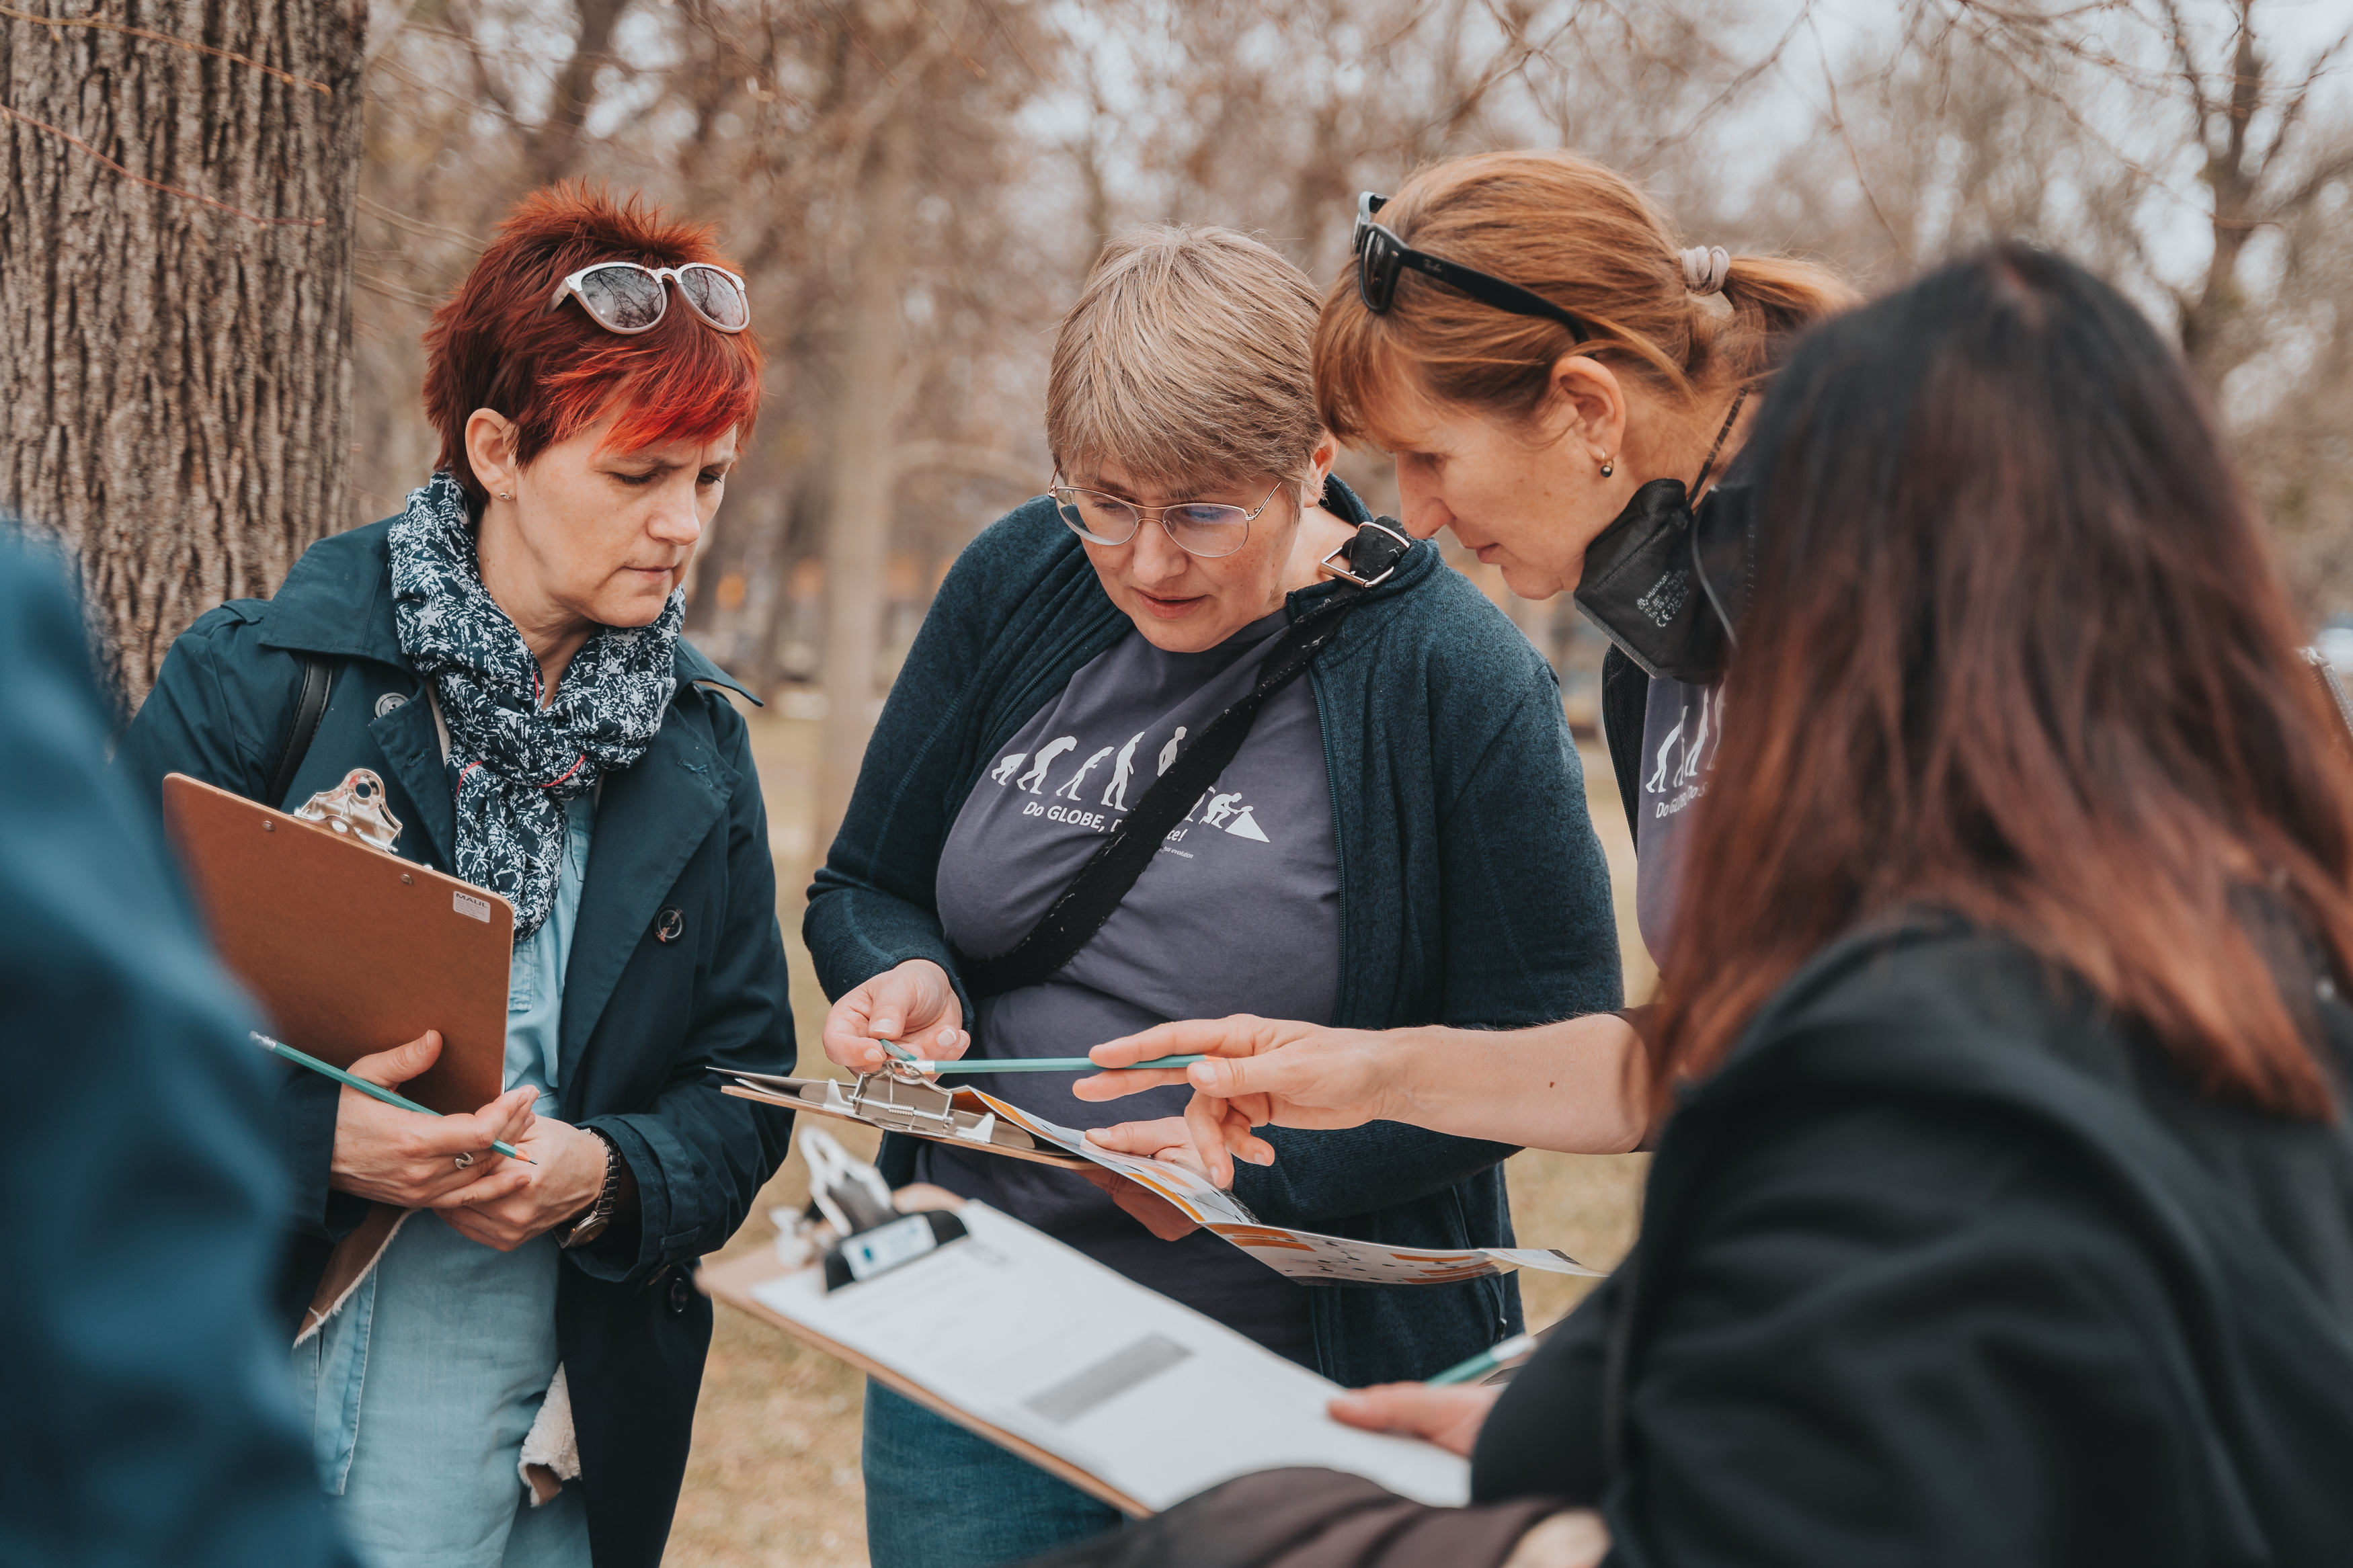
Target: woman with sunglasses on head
<point>1558,384</point>
<point>1342,793</point>
<point>2005,1210</point>
<point>501,1359</point>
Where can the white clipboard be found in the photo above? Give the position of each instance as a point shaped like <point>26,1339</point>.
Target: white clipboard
<point>1119,1391</point>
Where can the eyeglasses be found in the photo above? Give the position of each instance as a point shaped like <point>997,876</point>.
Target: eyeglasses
<point>1197,528</point>
<point>1381,256</point>
<point>623,297</point>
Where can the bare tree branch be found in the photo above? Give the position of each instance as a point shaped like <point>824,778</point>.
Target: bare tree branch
<point>2307,191</point>
<point>1837,123</point>
<point>423,230</point>
<point>2292,114</point>
<point>2177,37</point>
<point>1765,62</point>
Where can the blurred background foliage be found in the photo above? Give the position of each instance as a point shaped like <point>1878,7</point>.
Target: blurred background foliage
<point>915,190</point>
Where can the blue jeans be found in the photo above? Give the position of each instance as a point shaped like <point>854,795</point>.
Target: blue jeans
<point>939,1497</point>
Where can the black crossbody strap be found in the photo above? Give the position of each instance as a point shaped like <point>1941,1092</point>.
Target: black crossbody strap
<point>309,708</point>
<point>1121,857</point>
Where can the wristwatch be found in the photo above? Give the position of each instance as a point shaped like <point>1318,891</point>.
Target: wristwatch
<point>591,1225</point>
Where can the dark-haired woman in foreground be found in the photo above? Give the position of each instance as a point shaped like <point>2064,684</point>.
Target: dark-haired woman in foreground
<point>2005,1210</point>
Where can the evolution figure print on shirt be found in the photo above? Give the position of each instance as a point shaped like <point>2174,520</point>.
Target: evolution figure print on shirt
<point>1682,726</point>
<point>1217,807</point>
<point>1237,911</point>
<point>1688,749</point>
<point>1258,842</point>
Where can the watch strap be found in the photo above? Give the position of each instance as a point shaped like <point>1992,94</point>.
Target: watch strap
<point>592,1225</point>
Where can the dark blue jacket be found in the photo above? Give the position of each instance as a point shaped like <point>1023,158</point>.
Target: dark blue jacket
<point>684,828</point>
<point>1472,891</point>
<point>148,1416</point>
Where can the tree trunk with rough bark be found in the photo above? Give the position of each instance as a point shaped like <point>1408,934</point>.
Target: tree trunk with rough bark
<point>858,536</point>
<point>175,249</point>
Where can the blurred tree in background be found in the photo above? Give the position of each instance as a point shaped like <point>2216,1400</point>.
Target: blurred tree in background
<point>915,188</point>
<point>2199,152</point>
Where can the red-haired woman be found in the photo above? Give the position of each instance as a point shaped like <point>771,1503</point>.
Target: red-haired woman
<point>505,655</point>
<point>2005,1210</point>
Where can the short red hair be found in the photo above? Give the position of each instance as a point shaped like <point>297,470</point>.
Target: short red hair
<point>495,345</point>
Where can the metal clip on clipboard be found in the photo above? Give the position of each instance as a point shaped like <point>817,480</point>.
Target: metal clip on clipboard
<point>910,1102</point>
<point>875,1237</point>
<point>894,1104</point>
<point>355,809</point>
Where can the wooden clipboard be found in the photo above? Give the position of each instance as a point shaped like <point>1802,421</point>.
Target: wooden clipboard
<point>732,1282</point>
<point>348,949</point>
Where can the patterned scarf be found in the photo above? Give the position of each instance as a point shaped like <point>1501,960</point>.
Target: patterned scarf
<point>514,764</point>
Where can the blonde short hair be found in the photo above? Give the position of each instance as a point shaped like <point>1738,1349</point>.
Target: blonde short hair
<point>1188,357</point>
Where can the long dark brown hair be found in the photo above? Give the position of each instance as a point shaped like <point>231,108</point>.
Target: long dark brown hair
<point>2017,649</point>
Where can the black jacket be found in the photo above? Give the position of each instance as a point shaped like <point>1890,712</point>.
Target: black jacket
<point>1947,1265</point>
<point>684,828</point>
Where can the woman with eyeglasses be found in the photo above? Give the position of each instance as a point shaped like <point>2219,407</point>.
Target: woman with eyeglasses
<point>2005,1212</point>
<point>1569,394</point>
<point>1358,804</point>
<point>500,1360</point>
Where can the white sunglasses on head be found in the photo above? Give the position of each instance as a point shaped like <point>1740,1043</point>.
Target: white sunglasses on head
<point>623,297</point>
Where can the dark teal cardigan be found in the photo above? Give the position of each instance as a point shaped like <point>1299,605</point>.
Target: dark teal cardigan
<point>1472,891</point>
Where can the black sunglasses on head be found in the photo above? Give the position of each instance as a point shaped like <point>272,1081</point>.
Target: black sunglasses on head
<point>1381,256</point>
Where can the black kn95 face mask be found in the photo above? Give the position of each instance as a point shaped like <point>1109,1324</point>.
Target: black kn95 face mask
<point>1667,584</point>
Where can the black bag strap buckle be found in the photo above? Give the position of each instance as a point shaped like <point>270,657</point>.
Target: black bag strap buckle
<point>1371,557</point>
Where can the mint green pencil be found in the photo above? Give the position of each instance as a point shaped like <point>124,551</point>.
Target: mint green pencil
<point>373,1091</point>
<point>1045,1064</point>
<point>1027,1064</point>
<point>1487,1360</point>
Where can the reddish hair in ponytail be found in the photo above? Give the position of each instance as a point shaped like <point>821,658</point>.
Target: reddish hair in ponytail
<point>1586,239</point>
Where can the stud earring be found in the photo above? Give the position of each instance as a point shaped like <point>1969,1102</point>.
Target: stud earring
<point>503,496</point>
<point>1609,467</point>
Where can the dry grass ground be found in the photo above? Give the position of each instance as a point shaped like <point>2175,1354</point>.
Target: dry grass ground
<point>773,1479</point>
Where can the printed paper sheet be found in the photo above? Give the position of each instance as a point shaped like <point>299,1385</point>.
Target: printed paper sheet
<point>1302,1255</point>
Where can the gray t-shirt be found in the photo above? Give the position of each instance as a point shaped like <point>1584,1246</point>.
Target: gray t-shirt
<point>1239,913</point>
<point>1682,727</point>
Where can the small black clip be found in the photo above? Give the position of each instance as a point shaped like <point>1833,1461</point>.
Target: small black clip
<point>863,1254</point>
<point>1372,555</point>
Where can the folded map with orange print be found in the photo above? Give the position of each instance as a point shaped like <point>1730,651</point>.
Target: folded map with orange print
<point>972,1120</point>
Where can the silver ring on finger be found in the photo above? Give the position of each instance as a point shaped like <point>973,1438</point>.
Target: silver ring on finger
<point>464,1159</point>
